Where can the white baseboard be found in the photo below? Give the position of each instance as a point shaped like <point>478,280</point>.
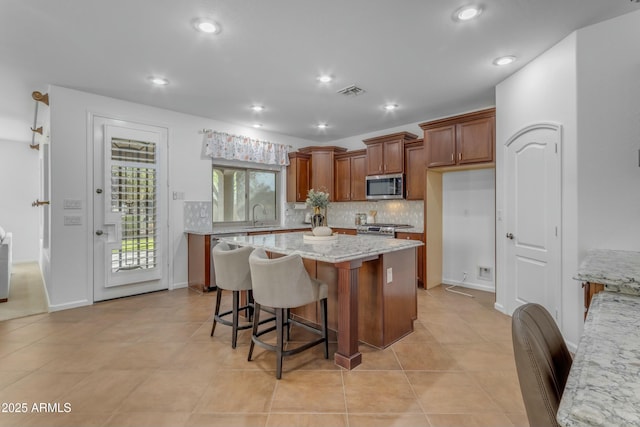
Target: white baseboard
<point>500,308</point>
<point>68,305</point>
<point>478,286</point>
<point>179,285</point>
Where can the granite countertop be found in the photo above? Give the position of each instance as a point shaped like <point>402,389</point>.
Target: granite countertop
<point>344,248</point>
<point>603,388</point>
<point>618,271</point>
<point>249,229</point>
<point>245,229</point>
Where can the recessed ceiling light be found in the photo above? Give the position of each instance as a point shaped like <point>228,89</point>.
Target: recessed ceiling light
<point>159,81</point>
<point>257,125</point>
<point>206,25</point>
<point>504,60</point>
<point>257,108</point>
<point>390,107</point>
<point>325,78</point>
<point>467,13</point>
<point>322,125</point>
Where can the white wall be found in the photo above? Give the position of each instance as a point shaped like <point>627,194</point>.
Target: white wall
<point>544,91</point>
<point>19,187</point>
<point>609,135</point>
<point>355,142</point>
<point>70,280</point>
<point>468,228</point>
<point>588,83</point>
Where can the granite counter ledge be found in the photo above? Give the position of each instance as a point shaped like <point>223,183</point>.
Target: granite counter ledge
<point>618,271</point>
<point>603,388</point>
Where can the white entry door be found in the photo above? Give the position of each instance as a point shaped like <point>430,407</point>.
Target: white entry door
<point>532,218</point>
<point>130,206</point>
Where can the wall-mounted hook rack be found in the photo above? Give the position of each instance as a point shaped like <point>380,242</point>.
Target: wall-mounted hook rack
<point>39,203</point>
<point>40,97</point>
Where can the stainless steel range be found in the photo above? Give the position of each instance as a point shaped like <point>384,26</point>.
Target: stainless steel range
<point>384,230</point>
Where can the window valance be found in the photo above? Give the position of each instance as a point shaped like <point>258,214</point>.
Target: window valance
<point>235,147</point>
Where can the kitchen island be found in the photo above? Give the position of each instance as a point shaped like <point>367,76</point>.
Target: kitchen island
<point>372,285</point>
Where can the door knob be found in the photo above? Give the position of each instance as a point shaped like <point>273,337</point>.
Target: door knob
<point>510,236</point>
<point>99,232</point>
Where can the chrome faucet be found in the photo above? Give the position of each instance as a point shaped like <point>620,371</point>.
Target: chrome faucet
<point>253,209</point>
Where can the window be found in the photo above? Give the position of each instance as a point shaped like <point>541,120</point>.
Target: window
<point>239,193</point>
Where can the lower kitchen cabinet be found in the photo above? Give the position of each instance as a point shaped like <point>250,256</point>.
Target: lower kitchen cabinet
<point>420,251</point>
<point>350,231</point>
<point>200,276</point>
<point>590,289</point>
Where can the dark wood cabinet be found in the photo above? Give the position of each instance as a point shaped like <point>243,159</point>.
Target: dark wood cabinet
<point>590,289</point>
<point>321,166</point>
<point>298,177</point>
<point>385,154</point>
<point>420,251</point>
<point>414,170</point>
<point>200,275</point>
<point>350,172</point>
<point>349,231</point>
<point>468,139</point>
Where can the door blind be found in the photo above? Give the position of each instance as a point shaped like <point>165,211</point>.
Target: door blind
<point>134,197</point>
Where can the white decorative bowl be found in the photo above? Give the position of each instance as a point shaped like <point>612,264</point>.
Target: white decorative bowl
<point>322,231</point>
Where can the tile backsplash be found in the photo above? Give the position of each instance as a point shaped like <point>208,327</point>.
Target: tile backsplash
<point>197,215</point>
<point>341,214</point>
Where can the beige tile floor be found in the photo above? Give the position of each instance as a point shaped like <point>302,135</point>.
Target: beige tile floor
<point>149,361</point>
<point>26,294</point>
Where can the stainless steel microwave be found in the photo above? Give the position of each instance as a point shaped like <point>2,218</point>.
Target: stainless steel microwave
<point>382,187</point>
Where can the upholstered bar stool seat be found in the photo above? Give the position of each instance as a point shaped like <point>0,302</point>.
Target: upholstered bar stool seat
<point>283,283</point>
<point>232,274</point>
<point>542,360</point>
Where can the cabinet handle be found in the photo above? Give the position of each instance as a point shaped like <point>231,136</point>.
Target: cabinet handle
<point>452,157</point>
<point>380,167</point>
<point>459,156</point>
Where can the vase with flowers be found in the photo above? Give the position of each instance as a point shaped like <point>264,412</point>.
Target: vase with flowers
<point>318,200</point>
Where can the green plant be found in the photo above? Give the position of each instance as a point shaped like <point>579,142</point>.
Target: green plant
<point>317,199</point>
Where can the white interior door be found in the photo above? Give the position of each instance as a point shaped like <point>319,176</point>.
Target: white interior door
<point>130,206</point>
<point>533,215</point>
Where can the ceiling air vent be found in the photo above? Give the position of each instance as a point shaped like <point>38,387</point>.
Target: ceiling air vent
<point>352,90</point>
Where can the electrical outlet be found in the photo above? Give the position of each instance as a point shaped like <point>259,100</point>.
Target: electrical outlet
<point>485,273</point>
<point>389,275</point>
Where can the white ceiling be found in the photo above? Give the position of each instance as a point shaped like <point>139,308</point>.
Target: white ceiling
<point>410,52</point>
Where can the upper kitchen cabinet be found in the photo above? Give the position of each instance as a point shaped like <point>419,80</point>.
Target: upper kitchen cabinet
<point>298,177</point>
<point>321,168</point>
<point>465,140</point>
<point>414,166</point>
<point>385,154</point>
<point>350,173</point>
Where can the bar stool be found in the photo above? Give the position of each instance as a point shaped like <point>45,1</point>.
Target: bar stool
<point>232,274</point>
<point>283,283</point>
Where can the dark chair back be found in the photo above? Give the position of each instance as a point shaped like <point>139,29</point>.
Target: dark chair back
<point>542,360</point>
